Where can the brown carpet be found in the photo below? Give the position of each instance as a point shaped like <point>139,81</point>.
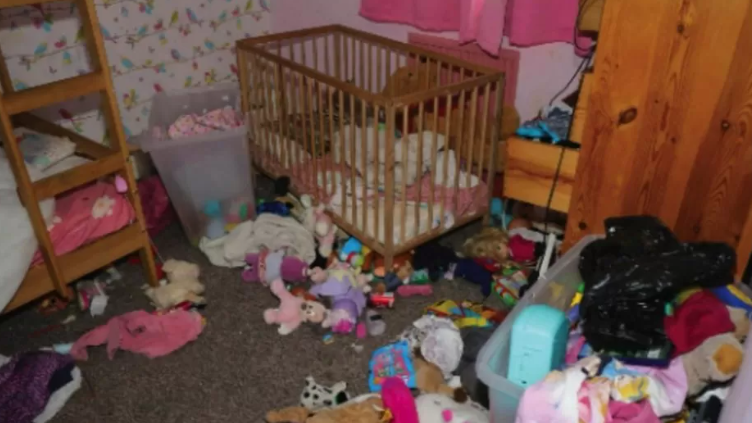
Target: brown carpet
<point>238,368</point>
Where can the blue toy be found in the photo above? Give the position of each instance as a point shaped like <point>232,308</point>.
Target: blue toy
<point>538,129</point>
<point>499,214</point>
<point>275,207</point>
<point>216,226</point>
<point>733,297</point>
<point>538,344</point>
<point>391,360</point>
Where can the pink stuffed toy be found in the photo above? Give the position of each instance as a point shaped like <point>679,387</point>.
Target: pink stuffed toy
<point>399,401</point>
<point>324,230</point>
<point>292,310</point>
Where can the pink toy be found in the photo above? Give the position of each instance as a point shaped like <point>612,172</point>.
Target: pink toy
<point>399,401</point>
<point>410,290</point>
<point>292,310</point>
<point>265,267</point>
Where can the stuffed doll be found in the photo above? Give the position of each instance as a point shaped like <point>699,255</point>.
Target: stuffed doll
<point>346,292</point>
<point>491,243</point>
<point>292,310</point>
<point>265,267</point>
<point>718,359</point>
<point>321,226</point>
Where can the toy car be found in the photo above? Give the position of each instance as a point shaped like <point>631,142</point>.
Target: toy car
<point>382,300</point>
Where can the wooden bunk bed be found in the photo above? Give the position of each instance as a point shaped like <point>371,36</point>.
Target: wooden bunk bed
<point>56,272</point>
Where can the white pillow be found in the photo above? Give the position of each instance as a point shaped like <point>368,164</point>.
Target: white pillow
<point>41,150</point>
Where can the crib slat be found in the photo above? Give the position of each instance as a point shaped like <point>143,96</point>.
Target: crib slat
<point>484,124</point>
<point>389,191</point>
<point>269,112</point>
<point>303,52</point>
<point>319,144</point>
<point>377,83</point>
<point>281,120</point>
<point>299,141</point>
<point>445,169</point>
<point>326,55</point>
<point>315,43</point>
<point>364,171</point>
<point>473,123</point>
<point>461,145</point>
<point>421,108</point>
<point>362,54</point>
<point>387,73</point>
<point>345,56</point>
<point>376,162</point>
<point>353,163</point>
<point>434,146</point>
<point>259,109</point>
<point>495,135</point>
<point>330,155</point>
<point>311,149</point>
<point>337,44</point>
<point>403,238</point>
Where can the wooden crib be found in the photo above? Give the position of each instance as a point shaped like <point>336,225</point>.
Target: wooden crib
<point>364,124</point>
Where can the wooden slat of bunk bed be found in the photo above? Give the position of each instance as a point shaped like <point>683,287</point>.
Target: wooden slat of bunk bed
<point>53,93</point>
<point>84,146</point>
<point>16,3</point>
<point>78,263</point>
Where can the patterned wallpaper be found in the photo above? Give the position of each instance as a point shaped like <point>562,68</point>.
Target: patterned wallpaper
<point>152,45</point>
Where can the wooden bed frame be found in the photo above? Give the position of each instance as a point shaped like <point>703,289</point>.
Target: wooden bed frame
<point>336,64</point>
<point>57,272</point>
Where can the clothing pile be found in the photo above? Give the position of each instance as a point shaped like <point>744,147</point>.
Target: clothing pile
<point>214,120</point>
<point>34,386</point>
<point>657,332</point>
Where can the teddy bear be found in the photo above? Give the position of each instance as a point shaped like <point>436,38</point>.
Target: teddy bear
<point>292,310</point>
<point>181,285</point>
<point>316,396</point>
<point>266,266</point>
<point>717,359</point>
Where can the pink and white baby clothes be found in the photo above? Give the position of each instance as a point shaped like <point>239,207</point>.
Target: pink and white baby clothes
<point>215,120</point>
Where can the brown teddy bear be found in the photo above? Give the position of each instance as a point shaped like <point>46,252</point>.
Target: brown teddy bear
<point>367,411</point>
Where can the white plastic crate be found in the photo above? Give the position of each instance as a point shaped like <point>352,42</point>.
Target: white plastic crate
<point>215,166</point>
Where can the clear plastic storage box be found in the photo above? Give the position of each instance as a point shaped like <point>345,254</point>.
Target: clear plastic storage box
<point>556,289</point>
<point>210,172</point>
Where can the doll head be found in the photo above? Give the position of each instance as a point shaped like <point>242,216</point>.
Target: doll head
<point>489,243</point>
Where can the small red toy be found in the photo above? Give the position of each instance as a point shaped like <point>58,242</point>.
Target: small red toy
<point>382,300</point>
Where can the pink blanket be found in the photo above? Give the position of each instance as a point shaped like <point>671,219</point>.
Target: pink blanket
<point>528,22</point>
<point>86,214</point>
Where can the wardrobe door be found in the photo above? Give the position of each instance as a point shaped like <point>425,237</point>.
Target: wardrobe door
<point>669,124</point>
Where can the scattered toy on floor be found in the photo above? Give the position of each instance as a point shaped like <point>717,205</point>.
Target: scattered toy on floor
<point>320,224</point>
<point>393,360</point>
<point>435,258</point>
<point>430,380</point>
<point>292,310</point>
<point>316,397</point>
<point>410,290</point>
<point>266,266</point>
<point>153,335</point>
<point>91,296</point>
<point>439,341</point>
<point>215,227</point>
<point>346,293</point>
<point>352,253</point>
<point>470,270</point>
<point>375,323</point>
<point>381,300</point>
<point>490,243</point>
<point>182,284</point>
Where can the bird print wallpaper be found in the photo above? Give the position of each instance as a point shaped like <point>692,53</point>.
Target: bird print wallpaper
<point>152,45</point>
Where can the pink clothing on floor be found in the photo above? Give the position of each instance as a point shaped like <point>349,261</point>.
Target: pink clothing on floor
<point>536,22</point>
<point>638,412</point>
<point>141,332</point>
<point>86,214</point>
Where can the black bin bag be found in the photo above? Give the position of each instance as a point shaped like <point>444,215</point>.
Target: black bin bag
<point>633,272</point>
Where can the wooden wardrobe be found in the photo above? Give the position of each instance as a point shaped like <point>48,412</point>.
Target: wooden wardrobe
<point>668,128</point>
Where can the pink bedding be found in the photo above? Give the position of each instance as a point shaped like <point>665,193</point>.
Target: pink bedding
<point>304,177</point>
<point>86,214</point>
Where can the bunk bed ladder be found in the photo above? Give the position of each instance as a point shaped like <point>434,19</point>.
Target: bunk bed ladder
<point>14,107</point>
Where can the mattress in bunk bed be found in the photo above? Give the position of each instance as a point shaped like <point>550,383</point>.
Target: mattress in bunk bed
<point>75,218</point>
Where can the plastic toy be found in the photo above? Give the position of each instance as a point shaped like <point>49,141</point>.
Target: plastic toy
<point>537,345</point>
<point>508,285</point>
<point>382,300</point>
<point>216,226</point>
<point>264,267</point>
<point>239,211</point>
<point>351,252</point>
<point>393,360</point>
<point>410,290</point>
<point>733,297</point>
<point>328,338</point>
<point>292,310</point>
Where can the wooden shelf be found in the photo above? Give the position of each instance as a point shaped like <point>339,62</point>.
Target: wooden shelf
<point>530,170</point>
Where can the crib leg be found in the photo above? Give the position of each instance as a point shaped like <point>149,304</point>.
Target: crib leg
<point>388,261</point>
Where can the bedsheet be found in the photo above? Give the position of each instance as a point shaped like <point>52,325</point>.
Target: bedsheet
<point>86,214</point>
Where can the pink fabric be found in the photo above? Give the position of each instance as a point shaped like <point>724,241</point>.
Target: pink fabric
<point>476,20</point>
<point>638,412</point>
<point>141,332</point>
<point>215,120</point>
<point>535,22</point>
<point>86,214</point>
<point>158,211</point>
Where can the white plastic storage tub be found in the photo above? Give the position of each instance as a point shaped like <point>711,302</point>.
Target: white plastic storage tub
<point>556,289</point>
<point>211,169</point>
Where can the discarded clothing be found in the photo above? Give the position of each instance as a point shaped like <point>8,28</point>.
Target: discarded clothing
<point>140,332</point>
<point>268,232</point>
<point>665,389</point>
<point>700,317</point>
<point>439,341</point>
<point>521,250</point>
<point>214,120</point>
<point>29,380</point>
